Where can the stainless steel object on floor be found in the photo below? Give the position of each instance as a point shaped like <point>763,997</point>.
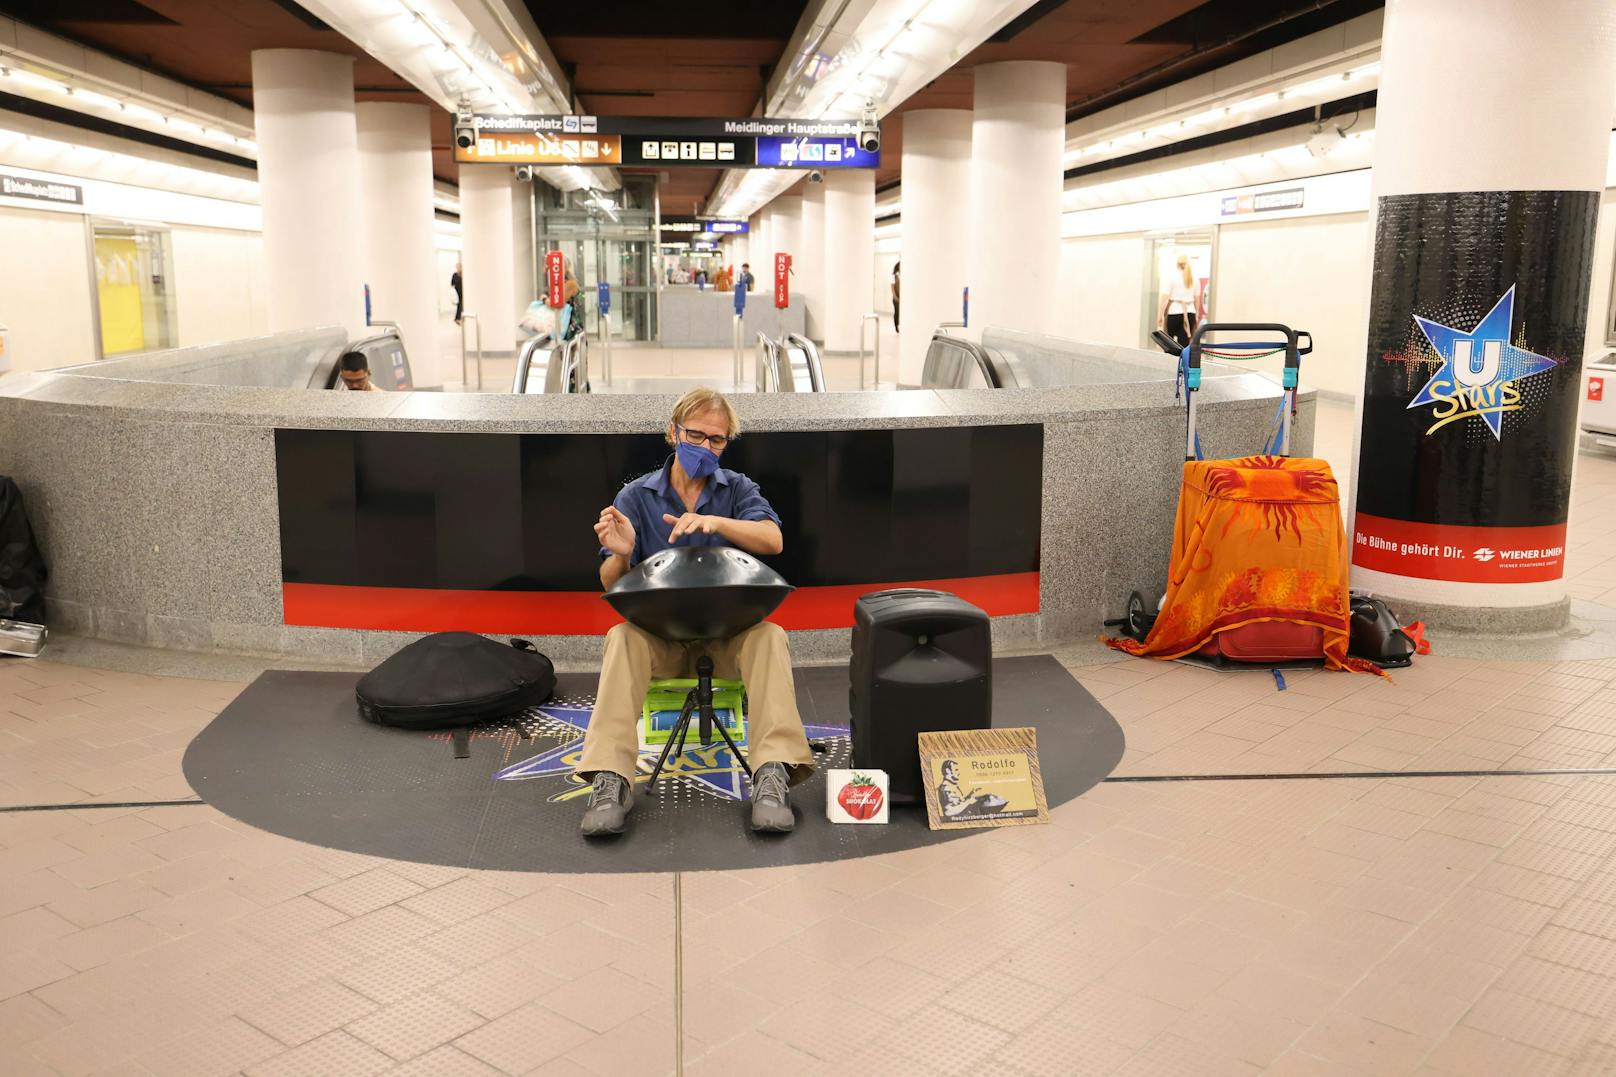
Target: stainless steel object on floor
<point>22,638</point>
<point>876,318</point>
<point>467,316</point>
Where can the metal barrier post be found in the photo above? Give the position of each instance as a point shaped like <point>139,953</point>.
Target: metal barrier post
<point>606,348</point>
<point>862,322</point>
<point>735,338</point>
<point>466,316</point>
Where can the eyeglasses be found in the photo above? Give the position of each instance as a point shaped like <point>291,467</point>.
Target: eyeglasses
<point>698,437</point>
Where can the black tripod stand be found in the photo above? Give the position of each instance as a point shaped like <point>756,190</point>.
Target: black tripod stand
<point>698,702</point>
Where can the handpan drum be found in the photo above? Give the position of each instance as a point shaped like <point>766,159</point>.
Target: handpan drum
<point>697,593</point>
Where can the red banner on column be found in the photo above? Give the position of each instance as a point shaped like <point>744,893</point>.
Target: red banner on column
<point>1458,553</point>
<point>782,280</point>
<point>554,271</point>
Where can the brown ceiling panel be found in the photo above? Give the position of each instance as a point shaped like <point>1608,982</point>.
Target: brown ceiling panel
<point>652,58</point>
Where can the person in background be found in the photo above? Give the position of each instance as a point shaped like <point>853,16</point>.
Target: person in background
<point>570,316</point>
<point>745,280</point>
<point>701,280</point>
<point>1177,313</point>
<point>458,285</point>
<point>353,370</point>
<point>895,297</point>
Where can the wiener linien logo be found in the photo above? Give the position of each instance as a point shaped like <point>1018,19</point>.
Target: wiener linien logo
<point>1479,371</point>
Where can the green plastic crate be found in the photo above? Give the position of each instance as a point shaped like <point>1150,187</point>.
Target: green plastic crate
<point>666,698</point>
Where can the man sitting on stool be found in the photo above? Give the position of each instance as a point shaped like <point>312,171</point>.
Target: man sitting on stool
<point>691,501</point>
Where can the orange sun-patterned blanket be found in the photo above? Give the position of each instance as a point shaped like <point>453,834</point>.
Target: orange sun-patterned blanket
<point>1257,539</point>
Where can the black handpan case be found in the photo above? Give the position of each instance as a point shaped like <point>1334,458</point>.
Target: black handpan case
<point>454,679</point>
<point>697,593</point>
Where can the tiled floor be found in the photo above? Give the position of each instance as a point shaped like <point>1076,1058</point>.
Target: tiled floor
<point>1375,925</point>
<point>1378,925</point>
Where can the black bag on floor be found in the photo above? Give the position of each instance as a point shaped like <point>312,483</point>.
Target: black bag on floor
<point>453,679</point>
<point>22,568</point>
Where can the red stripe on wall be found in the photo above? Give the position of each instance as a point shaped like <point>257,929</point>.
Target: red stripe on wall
<point>585,613</point>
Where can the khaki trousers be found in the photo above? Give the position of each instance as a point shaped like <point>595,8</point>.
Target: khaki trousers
<point>759,656</point>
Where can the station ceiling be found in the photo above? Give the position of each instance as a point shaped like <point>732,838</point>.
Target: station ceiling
<point>652,58</point>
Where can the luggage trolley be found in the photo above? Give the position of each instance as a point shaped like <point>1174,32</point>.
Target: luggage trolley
<point>1296,343</point>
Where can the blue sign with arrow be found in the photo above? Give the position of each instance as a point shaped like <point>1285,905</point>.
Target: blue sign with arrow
<point>778,152</point>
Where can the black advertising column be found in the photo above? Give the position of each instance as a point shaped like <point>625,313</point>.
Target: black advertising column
<point>1492,133</point>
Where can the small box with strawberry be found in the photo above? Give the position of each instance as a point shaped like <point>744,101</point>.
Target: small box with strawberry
<point>856,796</point>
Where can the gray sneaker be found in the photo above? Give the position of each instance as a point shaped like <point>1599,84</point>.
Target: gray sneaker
<point>610,801</point>
<point>771,810</point>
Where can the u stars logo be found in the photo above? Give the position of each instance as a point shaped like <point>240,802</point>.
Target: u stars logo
<point>1479,371</point>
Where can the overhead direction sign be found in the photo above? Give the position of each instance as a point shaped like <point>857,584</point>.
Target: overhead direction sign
<point>667,142</point>
<point>775,152</point>
<point>519,148</point>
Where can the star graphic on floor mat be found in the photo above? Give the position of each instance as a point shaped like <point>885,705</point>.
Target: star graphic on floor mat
<point>712,769</point>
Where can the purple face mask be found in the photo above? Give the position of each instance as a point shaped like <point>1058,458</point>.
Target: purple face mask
<point>698,460</point>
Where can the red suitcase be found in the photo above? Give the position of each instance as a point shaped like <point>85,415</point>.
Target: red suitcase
<point>1266,641</point>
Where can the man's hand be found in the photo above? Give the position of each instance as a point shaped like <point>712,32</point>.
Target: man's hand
<point>615,532</point>
<point>690,523</point>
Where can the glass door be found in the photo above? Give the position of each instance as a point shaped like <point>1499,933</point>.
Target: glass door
<point>133,289</point>
<point>606,236</point>
<point>1164,277</point>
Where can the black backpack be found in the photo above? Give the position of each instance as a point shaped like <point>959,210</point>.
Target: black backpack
<point>1377,637</point>
<point>22,569</point>
<point>451,679</point>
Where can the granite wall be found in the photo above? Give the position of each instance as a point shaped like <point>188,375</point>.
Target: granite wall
<point>155,503</point>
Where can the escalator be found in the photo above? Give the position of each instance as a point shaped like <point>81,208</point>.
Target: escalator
<point>788,365</point>
<point>542,366</point>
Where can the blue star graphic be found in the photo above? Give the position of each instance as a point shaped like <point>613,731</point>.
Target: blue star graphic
<point>712,769</point>
<point>1514,363</point>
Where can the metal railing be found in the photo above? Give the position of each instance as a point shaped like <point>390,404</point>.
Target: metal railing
<point>735,337</point>
<point>467,316</point>
<point>876,318</point>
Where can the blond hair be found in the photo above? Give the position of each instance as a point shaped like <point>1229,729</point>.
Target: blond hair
<point>1189,275</point>
<point>699,400</point>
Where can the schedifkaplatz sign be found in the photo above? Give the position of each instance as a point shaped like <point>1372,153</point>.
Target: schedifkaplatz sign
<point>12,186</point>
<point>1472,382</point>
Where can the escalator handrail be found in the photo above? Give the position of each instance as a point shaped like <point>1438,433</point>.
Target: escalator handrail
<point>524,362</point>
<point>769,380</point>
<point>816,373</point>
<point>977,353</point>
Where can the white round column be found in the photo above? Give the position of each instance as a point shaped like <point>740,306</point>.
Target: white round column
<point>1491,137</point>
<point>395,173</point>
<point>809,282</point>
<point>308,182</point>
<point>849,254</point>
<point>763,249</point>
<point>936,250</point>
<point>488,260</point>
<point>1018,137</point>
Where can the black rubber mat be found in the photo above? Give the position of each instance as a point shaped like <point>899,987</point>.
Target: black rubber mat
<point>290,755</point>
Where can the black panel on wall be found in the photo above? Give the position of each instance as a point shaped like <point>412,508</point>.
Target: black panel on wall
<point>515,511</point>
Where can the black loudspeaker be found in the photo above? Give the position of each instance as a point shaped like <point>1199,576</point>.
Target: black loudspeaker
<point>922,662</point>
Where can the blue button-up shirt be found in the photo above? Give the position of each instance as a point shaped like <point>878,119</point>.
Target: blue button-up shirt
<point>645,499</point>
